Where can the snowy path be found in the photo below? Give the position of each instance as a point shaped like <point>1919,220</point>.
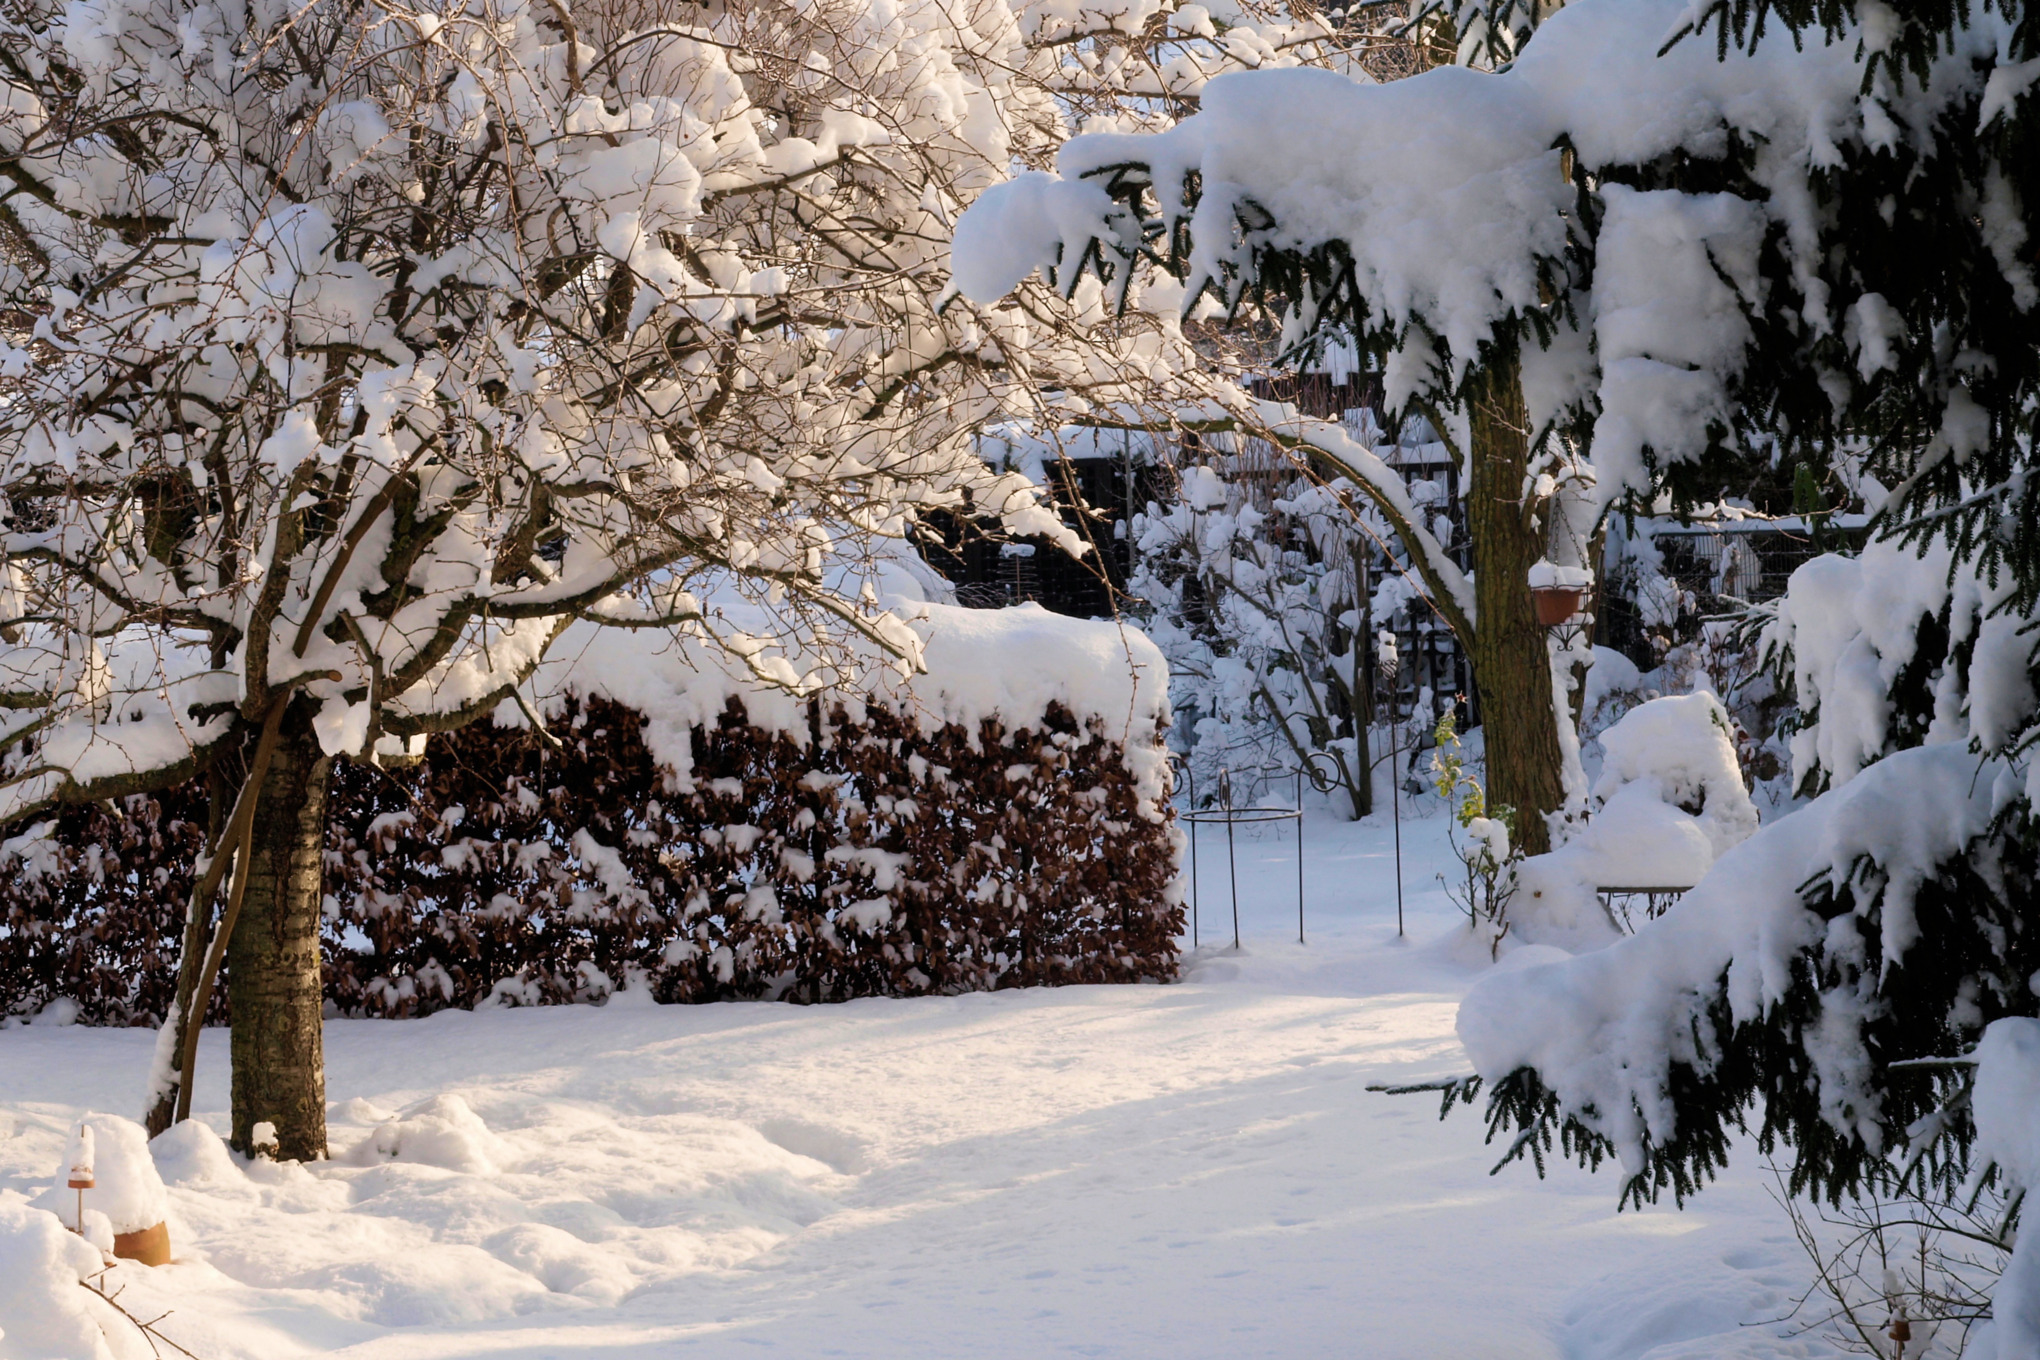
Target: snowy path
<point>1183,1171</point>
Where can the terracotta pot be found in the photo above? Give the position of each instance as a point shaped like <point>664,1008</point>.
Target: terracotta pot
<point>1556,604</point>
<point>150,1246</point>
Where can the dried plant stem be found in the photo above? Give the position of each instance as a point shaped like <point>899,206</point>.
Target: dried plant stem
<point>148,1328</point>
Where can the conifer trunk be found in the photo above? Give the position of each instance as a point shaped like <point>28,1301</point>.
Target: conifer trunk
<point>275,987</point>
<point>1511,662</point>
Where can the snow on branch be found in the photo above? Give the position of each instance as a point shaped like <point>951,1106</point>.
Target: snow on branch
<point>1460,214</point>
<point>509,320</point>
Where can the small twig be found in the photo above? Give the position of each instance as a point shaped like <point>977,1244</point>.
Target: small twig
<point>537,722</point>
<point>147,1329</point>
<point>1442,1084</point>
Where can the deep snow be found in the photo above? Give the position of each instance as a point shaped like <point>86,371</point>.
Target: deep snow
<point>1185,1171</point>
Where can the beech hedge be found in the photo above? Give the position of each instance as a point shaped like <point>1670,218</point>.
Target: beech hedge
<point>512,866</point>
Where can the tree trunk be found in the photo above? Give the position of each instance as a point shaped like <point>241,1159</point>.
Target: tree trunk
<point>1363,686</point>
<point>1511,662</point>
<point>275,987</point>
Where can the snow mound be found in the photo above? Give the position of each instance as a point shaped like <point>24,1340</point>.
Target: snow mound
<point>442,1131</point>
<point>1679,748</point>
<point>191,1154</point>
<point>44,1315</point>
<point>126,1187</point>
<point>563,1263</point>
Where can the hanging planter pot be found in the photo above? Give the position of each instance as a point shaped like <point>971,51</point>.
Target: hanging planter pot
<point>1556,605</point>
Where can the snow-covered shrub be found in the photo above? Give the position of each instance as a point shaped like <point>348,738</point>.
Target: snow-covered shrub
<point>1249,582</point>
<point>1482,842</point>
<point>876,856</point>
<point>1669,801</point>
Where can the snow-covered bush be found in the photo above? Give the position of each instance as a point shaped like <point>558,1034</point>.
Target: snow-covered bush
<point>874,857</point>
<point>93,903</point>
<point>1670,800</point>
<point>1482,843</point>
<point>1250,583</point>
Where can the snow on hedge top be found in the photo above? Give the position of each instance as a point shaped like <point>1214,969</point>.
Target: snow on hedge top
<point>1603,1029</point>
<point>1446,192</point>
<point>1009,664</point>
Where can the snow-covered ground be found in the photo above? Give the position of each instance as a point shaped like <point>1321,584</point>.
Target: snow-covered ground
<point>1183,1171</point>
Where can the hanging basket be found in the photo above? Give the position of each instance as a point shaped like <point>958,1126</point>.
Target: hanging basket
<point>1556,605</point>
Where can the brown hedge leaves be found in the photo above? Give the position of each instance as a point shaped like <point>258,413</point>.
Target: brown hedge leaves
<point>874,859</point>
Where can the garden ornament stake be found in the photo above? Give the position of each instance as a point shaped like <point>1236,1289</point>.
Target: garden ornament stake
<point>80,1178</point>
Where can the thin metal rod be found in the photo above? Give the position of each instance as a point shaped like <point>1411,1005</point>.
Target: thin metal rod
<point>1190,776</point>
<point>1232,864</point>
<point>1299,856</point>
<point>1395,813</point>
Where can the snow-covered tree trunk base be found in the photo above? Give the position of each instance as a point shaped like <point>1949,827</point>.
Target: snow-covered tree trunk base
<point>1511,662</point>
<point>274,982</point>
